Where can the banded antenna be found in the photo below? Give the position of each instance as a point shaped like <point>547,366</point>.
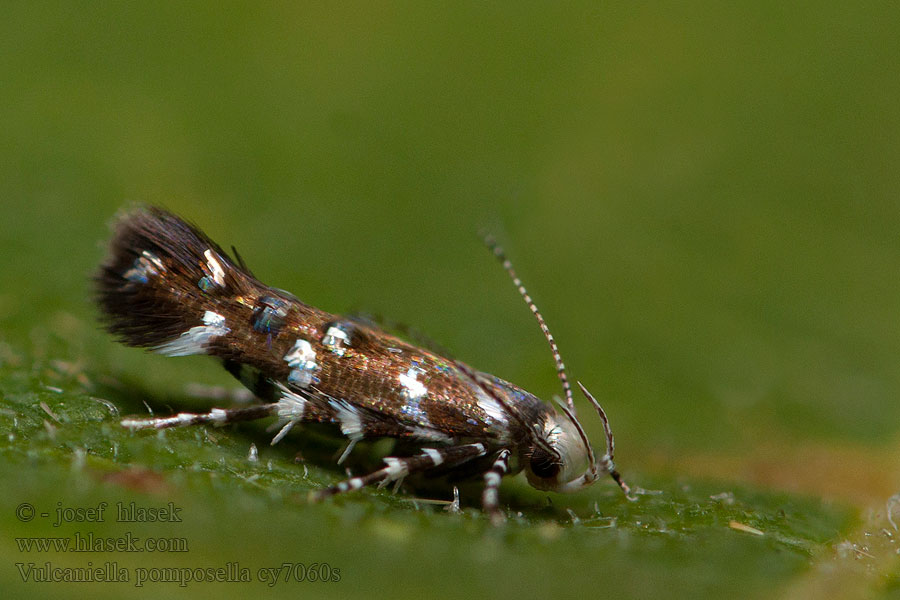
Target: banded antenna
<point>492,244</point>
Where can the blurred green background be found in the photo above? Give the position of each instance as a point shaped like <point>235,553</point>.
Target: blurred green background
<point>702,199</point>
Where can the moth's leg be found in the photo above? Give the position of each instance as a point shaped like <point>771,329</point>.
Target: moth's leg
<point>287,405</point>
<point>490,496</point>
<point>398,468</point>
<point>217,416</point>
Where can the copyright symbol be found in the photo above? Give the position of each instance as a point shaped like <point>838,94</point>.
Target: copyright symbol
<point>25,512</point>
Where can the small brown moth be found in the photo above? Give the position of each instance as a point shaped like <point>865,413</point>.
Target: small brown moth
<point>167,287</point>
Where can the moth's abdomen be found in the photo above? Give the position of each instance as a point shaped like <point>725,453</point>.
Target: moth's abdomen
<point>165,285</point>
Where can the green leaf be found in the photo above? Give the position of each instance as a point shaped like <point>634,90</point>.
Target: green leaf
<point>702,200</point>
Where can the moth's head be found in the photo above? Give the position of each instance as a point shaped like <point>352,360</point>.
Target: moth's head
<point>561,458</point>
<point>558,455</point>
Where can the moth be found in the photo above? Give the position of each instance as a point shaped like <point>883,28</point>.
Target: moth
<point>167,287</point>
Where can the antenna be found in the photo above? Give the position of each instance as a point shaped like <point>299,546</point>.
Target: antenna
<point>492,244</point>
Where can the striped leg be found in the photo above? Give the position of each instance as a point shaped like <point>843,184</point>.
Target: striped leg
<point>490,496</point>
<point>217,416</point>
<point>398,468</point>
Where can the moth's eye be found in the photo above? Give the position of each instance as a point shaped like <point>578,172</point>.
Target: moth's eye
<point>543,464</point>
